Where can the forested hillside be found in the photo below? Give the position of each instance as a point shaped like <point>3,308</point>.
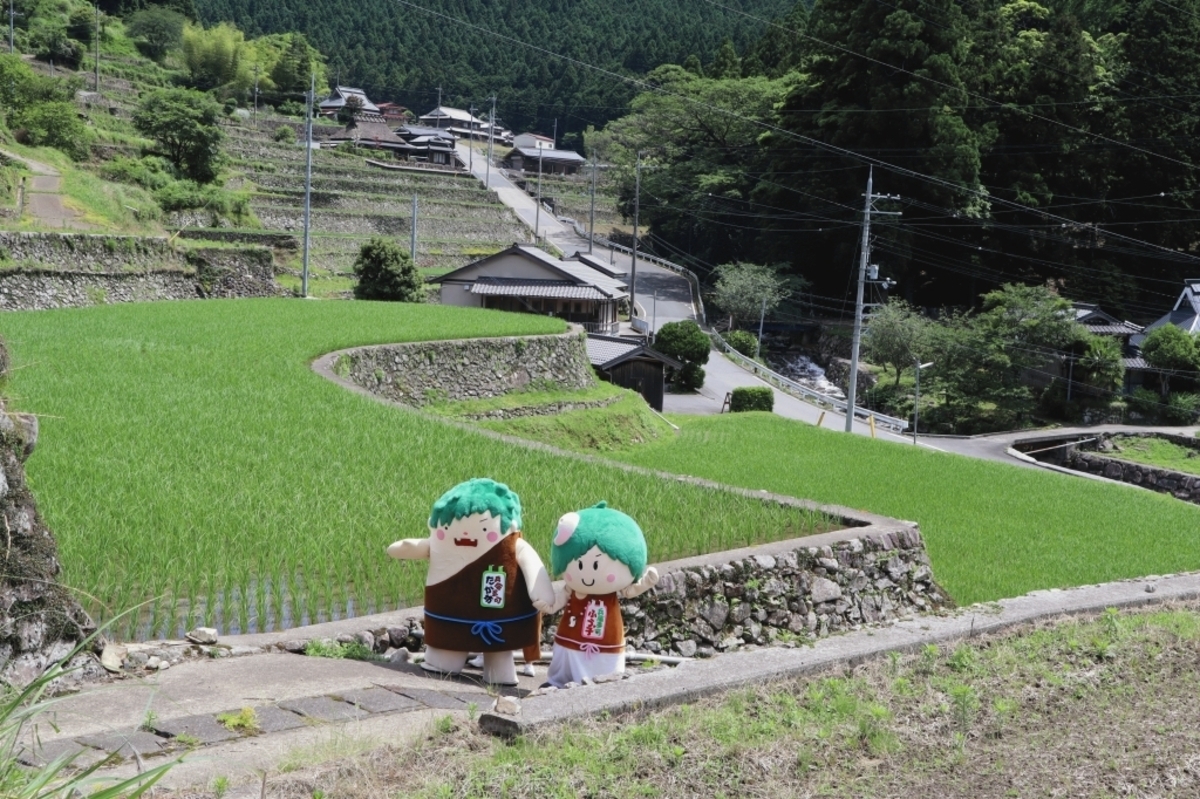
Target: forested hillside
<point>1026,144</point>
<point>398,52</point>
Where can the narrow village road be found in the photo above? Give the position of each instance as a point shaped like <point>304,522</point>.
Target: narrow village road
<point>43,196</point>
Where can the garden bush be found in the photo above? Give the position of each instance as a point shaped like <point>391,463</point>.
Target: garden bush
<point>752,398</point>
<point>687,343</point>
<point>284,133</point>
<point>743,342</point>
<point>1145,402</point>
<point>385,272</point>
<point>1181,408</point>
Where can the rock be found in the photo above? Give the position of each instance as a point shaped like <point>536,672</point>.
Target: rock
<point>345,638</point>
<point>295,645</point>
<point>366,638</point>
<point>507,706</point>
<point>397,635</point>
<point>112,657</point>
<point>764,561</point>
<point>715,613</point>
<point>824,590</point>
<point>206,636</point>
<point>164,665</point>
<point>152,663</point>
<point>829,564</point>
<point>687,648</point>
<point>401,655</point>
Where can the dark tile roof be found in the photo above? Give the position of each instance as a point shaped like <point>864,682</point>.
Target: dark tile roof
<point>562,156</point>
<point>605,352</point>
<point>522,287</point>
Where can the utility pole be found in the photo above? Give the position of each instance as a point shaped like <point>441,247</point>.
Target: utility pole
<point>554,139</point>
<point>412,234</point>
<point>471,143</point>
<point>439,105</point>
<point>864,260</point>
<point>308,182</point>
<point>537,215</point>
<point>487,180</point>
<point>637,203</point>
<point>592,216</point>
<point>917,398</point>
<point>11,13</point>
<point>256,95</point>
<point>97,47</point>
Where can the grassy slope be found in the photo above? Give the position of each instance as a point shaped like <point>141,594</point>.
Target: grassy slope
<point>187,449</point>
<point>1101,708</point>
<point>992,530</point>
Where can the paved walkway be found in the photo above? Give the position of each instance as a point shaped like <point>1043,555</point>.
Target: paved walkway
<point>43,196</point>
<point>312,709</point>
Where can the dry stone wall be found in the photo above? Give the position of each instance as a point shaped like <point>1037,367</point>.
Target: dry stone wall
<point>51,270</point>
<point>430,371</point>
<point>40,621</point>
<point>1178,484</point>
<point>777,594</point>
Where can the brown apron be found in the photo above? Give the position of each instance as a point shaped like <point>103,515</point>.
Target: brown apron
<point>484,607</point>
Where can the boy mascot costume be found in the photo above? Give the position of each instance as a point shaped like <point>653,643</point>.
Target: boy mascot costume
<point>485,584</point>
<point>598,551</point>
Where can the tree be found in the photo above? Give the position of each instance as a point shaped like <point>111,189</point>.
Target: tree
<point>183,124</point>
<point>1101,364</point>
<point>212,55</point>
<point>385,272</point>
<point>81,24</point>
<point>348,111</point>
<point>745,290</point>
<point>54,124</point>
<point>687,343</point>
<point>726,64</point>
<point>1170,351</point>
<point>292,72</point>
<point>897,336</point>
<point>158,31</point>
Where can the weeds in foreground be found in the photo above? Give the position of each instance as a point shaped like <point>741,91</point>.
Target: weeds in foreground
<point>244,721</point>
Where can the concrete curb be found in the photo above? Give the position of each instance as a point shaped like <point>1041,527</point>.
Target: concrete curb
<point>696,679</point>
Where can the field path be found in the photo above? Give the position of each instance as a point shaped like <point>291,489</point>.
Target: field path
<point>43,196</point>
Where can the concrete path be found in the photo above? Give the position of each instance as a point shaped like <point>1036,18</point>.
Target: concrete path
<point>43,196</point>
<point>313,710</point>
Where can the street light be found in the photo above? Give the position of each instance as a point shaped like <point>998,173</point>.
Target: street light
<point>917,401</point>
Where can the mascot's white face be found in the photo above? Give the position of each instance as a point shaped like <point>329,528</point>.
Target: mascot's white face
<point>464,540</point>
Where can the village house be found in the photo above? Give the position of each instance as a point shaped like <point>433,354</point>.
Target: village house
<point>340,96</point>
<point>631,364</point>
<point>549,160</point>
<point>526,279</point>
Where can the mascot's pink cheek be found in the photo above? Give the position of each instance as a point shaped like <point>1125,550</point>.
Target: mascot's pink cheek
<point>493,537</point>
<point>441,534</point>
<point>612,578</point>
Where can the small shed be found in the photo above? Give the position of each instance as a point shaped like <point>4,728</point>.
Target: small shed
<point>631,364</point>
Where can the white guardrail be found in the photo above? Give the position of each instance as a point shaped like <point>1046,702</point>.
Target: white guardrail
<point>762,372</point>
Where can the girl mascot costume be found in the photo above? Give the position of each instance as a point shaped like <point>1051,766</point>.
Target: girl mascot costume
<point>598,551</point>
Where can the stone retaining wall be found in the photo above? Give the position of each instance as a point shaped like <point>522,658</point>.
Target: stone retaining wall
<point>1178,484</point>
<point>77,270</point>
<point>430,371</point>
<point>40,621</point>
<point>784,593</point>
<point>549,409</point>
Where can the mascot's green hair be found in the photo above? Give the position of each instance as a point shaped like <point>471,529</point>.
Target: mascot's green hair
<point>480,495</point>
<point>616,534</point>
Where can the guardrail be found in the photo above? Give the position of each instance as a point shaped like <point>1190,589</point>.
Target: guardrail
<point>774,378</point>
<point>681,270</point>
<point>804,392</point>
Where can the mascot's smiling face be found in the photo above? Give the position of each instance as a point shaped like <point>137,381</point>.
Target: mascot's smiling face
<point>463,540</point>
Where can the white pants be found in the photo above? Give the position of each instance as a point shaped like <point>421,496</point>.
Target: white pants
<point>570,665</point>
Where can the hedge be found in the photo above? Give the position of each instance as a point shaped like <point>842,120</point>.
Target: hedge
<point>758,398</point>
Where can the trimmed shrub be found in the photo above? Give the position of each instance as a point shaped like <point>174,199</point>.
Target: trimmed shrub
<point>687,343</point>
<point>743,342</point>
<point>284,133</point>
<point>752,398</point>
<point>1181,408</point>
<point>690,377</point>
<point>1145,402</point>
<point>385,272</point>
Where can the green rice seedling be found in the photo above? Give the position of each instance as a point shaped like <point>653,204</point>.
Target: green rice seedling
<point>992,530</point>
<point>236,461</point>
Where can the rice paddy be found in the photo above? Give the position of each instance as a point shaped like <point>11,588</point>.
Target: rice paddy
<point>189,454</point>
<point>992,530</point>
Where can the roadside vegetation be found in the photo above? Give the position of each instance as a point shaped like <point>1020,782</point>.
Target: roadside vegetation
<point>198,460</point>
<point>1155,452</point>
<point>1100,707</point>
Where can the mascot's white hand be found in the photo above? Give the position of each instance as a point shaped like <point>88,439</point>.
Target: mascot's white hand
<point>410,549</point>
<point>648,581</point>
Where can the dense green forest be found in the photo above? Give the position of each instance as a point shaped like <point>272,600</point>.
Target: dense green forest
<point>395,51</point>
<point>1027,143</point>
